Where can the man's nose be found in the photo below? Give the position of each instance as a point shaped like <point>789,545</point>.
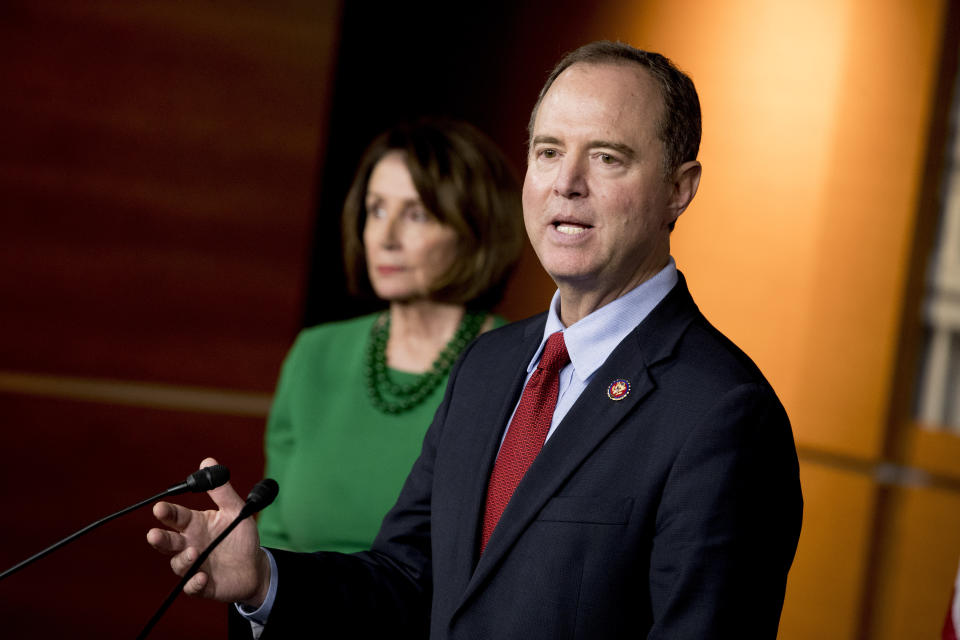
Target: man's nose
<point>571,179</point>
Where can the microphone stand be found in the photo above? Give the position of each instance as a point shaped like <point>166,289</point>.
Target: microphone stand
<point>192,484</point>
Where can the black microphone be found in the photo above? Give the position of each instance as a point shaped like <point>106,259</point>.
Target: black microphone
<point>260,497</point>
<point>202,480</point>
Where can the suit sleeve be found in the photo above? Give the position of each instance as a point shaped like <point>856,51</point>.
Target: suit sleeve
<point>728,523</point>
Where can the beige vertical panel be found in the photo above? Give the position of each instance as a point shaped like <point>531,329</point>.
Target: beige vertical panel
<point>866,231</point>
<point>917,564</point>
<point>935,452</point>
<point>824,587</point>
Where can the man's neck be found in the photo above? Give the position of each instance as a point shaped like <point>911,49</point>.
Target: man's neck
<point>579,299</point>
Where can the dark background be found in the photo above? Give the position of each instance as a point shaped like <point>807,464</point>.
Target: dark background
<point>481,63</point>
<point>171,177</point>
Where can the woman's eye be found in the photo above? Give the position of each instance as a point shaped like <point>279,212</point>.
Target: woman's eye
<point>418,215</point>
<point>375,211</point>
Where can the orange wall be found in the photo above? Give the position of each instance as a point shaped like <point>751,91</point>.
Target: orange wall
<point>815,123</point>
<point>816,117</point>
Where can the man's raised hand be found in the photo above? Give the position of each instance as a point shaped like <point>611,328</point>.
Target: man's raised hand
<point>237,571</point>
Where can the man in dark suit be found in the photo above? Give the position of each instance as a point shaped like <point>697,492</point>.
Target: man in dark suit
<point>665,500</point>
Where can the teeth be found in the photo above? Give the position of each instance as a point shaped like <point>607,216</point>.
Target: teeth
<point>570,230</point>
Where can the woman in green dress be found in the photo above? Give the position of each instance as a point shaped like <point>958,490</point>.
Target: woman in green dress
<point>433,226</point>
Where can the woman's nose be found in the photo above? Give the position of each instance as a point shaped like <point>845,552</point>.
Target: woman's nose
<point>389,230</point>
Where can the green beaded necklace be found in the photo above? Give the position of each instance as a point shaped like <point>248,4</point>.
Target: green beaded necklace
<point>410,395</point>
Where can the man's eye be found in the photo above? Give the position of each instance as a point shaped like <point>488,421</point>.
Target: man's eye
<point>548,153</point>
<point>606,158</point>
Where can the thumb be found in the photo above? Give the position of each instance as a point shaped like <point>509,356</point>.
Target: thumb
<point>224,496</point>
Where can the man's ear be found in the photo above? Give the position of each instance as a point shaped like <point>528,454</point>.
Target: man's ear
<point>686,180</point>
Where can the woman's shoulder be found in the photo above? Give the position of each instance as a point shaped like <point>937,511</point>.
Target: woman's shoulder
<point>498,321</point>
<point>349,330</point>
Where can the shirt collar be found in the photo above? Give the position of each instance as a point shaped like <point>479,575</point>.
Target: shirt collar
<point>593,338</point>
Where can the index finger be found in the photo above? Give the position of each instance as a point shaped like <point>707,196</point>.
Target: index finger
<point>172,515</point>
<point>166,542</point>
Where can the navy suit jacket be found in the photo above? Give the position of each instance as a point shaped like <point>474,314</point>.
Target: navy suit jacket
<point>671,513</point>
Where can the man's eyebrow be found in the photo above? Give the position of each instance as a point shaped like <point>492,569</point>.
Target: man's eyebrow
<point>619,147</point>
<point>545,140</point>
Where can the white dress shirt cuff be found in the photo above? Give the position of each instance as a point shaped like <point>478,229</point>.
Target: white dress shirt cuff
<point>258,617</point>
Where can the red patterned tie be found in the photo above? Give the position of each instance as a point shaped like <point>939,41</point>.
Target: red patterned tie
<point>528,430</point>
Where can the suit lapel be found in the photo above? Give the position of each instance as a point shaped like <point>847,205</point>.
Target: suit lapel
<point>583,429</point>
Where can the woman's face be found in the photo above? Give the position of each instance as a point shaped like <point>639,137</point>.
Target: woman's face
<point>407,249</point>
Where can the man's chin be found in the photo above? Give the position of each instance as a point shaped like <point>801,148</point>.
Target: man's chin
<point>574,278</point>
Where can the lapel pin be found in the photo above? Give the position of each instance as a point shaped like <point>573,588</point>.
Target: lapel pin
<point>618,389</point>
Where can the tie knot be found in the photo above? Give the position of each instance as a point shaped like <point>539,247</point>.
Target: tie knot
<point>555,356</point>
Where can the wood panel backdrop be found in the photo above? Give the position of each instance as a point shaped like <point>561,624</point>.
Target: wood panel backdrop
<point>170,181</point>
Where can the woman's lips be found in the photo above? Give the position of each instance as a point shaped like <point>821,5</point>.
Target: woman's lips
<point>388,270</point>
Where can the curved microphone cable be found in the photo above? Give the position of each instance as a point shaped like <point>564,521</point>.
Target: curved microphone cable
<point>202,480</point>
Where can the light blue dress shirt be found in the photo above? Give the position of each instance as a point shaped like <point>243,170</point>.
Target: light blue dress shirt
<point>592,339</point>
<point>589,342</point>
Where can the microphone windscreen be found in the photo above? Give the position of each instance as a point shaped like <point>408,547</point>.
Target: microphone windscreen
<point>208,478</point>
<point>262,494</point>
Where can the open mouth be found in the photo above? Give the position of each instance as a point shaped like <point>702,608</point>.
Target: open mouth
<point>571,228</point>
